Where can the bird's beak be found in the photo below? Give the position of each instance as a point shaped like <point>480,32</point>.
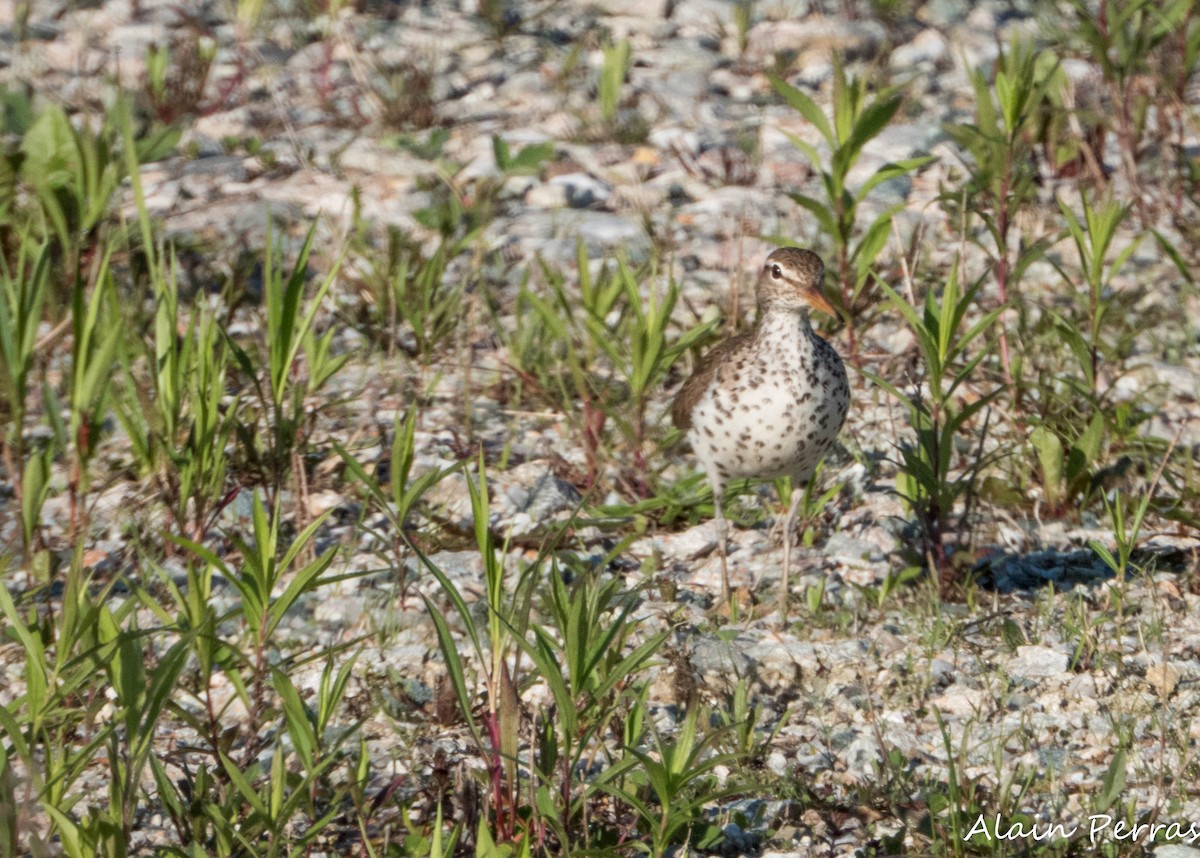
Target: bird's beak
<point>817,299</point>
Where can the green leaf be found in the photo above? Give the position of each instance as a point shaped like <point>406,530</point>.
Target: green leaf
<point>1106,555</point>
<point>1171,250</point>
<point>500,152</point>
<point>158,144</point>
<point>454,669</point>
<point>806,106</point>
<point>300,720</point>
<point>823,215</point>
<point>1090,440</point>
<point>50,148</point>
<point>245,788</point>
<point>892,171</point>
<point>1050,457</point>
<point>1113,783</point>
<point>530,158</point>
<point>872,120</point>
<point>303,581</point>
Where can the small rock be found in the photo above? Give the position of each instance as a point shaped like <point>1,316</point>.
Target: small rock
<point>1087,686</point>
<point>1034,662</point>
<point>687,545</point>
<point>962,702</point>
<point>636,8</point>
<point>529,498</point>
<point>941,670</point>
<point>1175,850</point>
<point>449,503</point>
<point>1163,678</point>
<point>929,46</point>
<point>546,196</point>
<point>814,40</point>
<point>675,139</point>
<point>581,190</point>
<point>716,658</point>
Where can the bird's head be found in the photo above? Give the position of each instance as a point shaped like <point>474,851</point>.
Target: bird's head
<point>791,280</point>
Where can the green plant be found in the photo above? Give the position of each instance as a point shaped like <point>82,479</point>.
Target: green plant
<point>263,603</point>
<point>24,288</point>
<point>813,502</point>
<point>141,696</point>
<point>249,13</point>
<point>1101,331</point>
<point>741,718</point>
<point>1133,42</point>
<point>857,118</point>
<point>1068,470</point>
<point>743,18</point>
<point>928,481</point>
<point>669,788</point>
<point>16,117</point>
<point>73,174</point>
<point>176,77</point>
<point>405,97</point>
<point>954,804</point>
<point>397,502</point>
<point>882,595</point>
<point>428,149</point>
<point>53,726</point>
<point>1126,533</point>
<point>506,621</point>
<point>1093,239</point>
<point>235,797</point>
<point>96,337</point>
<point>612,79</point>
<point>527,162</point>
<point>604,362</point>
<point>586,653</point>
<point>173,414</point>
<point>280,386</point>
<point>1002,172</point>
<point>462,208</point>
<point>415,295</point>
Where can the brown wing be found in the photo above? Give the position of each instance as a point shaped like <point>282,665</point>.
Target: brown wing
<point>693,389</point>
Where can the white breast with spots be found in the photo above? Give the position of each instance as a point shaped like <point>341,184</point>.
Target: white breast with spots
<point>773,410</point>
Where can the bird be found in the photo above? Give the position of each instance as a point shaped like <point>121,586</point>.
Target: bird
<point>769,402</point>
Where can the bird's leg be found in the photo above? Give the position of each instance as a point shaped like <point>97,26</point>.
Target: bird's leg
<point>789,522</point>
<point>722,532</point>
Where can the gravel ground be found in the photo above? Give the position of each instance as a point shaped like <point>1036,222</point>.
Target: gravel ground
<point>296,124</point>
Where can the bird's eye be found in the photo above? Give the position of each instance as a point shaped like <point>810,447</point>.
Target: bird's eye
<point>776,272</point>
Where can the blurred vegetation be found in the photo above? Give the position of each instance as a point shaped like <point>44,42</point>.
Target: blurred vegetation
<point>220,408</point>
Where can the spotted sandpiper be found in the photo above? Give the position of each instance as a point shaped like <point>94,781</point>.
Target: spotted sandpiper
<point>768,403</point>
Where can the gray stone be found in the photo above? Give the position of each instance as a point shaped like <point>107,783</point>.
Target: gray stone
<point>1176,850</point>
<point>928,46</point>
<point>1035,662</point>
<point>811,39</point>
<point>529,499</point>
<point>546,195</point>
<point>962,702</point>
<point>582,190</point>
<point>722,659</point>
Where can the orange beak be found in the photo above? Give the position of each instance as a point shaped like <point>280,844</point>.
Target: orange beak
<point>817,299</point>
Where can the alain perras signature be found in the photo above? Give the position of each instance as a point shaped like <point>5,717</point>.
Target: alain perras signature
<point>1097,826</point>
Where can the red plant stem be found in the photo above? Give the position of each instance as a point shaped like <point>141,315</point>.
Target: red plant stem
<point>847,301</point>
<point>496,772</point>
